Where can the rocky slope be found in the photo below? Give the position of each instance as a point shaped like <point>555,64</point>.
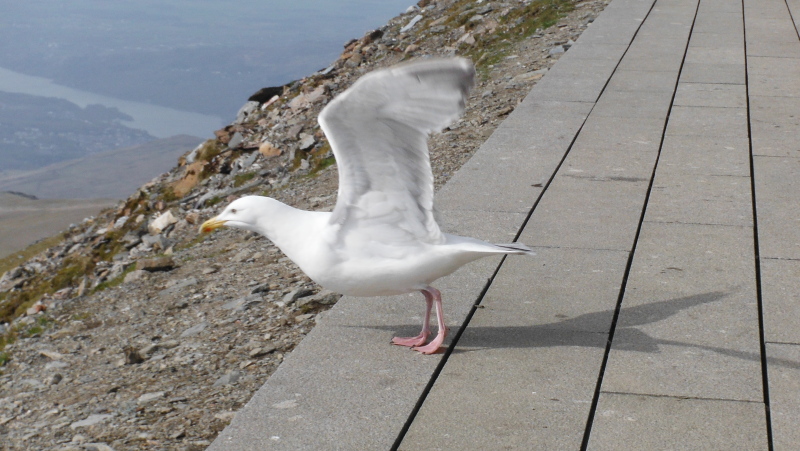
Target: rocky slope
<point>135,332</point>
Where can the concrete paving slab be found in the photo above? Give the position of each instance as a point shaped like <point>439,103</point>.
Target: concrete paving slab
<point>526,368</point>
<point>707,121</point>
<point>780,294</point>
<point>631,133</point>
<point>618,23</point>
<point>643,81</point>
<point>705,155</point>
<point>713,95</point>
<point>664,56</point>
<point>775,126</point>
<point>717,40</point>
<point>700,199</point>
<point>576,80</point>
<point>719,22</point>
<point>526,163</point>
<point>783,361</point>
<point>669,22</point>
<point>776,77</point>
<point>628,104</point>
<point>794,8</point>
<point>719,6</point>
<point>722,55</point>
<point>766,8</point>
<point>589,161</point>
<point>663,423</point>
<point>713,73</point>
<point>689,320</point>
<point>777,182</point>
<point>588,214</point>
<point>593,51</point>
<point>774,49</point>
<point>768,29</point>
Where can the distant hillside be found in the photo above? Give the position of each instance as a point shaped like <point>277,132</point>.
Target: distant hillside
<point>110,174</point>
<point>24,220</point>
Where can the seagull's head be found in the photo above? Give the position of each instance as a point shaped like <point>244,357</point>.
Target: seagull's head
<point>242,213</point>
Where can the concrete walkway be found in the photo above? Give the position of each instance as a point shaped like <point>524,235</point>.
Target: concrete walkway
<point>656,169</point>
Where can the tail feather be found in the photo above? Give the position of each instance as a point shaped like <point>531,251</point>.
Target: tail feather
<point>516,248</point>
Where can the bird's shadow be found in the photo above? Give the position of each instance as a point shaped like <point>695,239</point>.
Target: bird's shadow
<point>591,330</point>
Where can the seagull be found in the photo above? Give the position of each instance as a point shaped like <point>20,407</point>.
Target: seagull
<point>382,237</point>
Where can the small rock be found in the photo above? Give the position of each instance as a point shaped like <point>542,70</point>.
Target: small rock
<point>324,297</point>
<point>241,256</point>
<point>132,356</point>
<point>229,378</point>
<point>156,264</point>
<point>296,294</point>
<point>157,242</point>
<point>90,421</point>
<point>243,303</point>
<point>193,218</point>
<point>268,150</point>
<point>246,110</point>
<point>411,23</point>
<point>161,223</point>
<point>149,397</point>
<point>210,270</point>
<point>194,330</point>
<point>263,288</point>
<point>55,379</point>
<point>51,354</point>
<point>306,141</point>
<point>55,365</point>
<point>261,351</point>
<point>301,318</point>
<point>134,275</point>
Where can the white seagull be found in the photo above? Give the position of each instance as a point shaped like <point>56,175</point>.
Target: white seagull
<point>382,238</point>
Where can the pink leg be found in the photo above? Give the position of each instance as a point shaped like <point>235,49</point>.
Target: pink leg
<point>434,345</point>
<point>420,339</point>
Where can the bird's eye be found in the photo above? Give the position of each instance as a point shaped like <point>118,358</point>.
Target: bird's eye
<point>233,210</point>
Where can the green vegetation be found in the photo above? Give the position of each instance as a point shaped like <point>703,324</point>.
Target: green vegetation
<point>518,24</point>
<point>241,179</point>
<point>115,281</point>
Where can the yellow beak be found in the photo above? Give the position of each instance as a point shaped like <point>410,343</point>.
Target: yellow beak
<point>211,225</point>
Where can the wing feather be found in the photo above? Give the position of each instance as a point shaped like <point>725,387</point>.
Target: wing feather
<point>378,130</point>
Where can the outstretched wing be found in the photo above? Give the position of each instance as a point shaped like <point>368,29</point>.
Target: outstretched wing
<point>378,130</point>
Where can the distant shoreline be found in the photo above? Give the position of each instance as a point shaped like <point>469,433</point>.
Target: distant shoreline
<point>159,121</point>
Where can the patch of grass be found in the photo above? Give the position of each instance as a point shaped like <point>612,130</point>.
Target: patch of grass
<point>168,194</point>
<point>32,331</point>
<point>210,149</point>
<point>81,316</point>
<point>241,179</point>
<point>115,281</point>
<point>71,271</point>
<point>4,358</point>
<point>213,201</point>
<point>520,23</point>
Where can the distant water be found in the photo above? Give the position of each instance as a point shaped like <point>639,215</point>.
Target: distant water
<point>159,121</point>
